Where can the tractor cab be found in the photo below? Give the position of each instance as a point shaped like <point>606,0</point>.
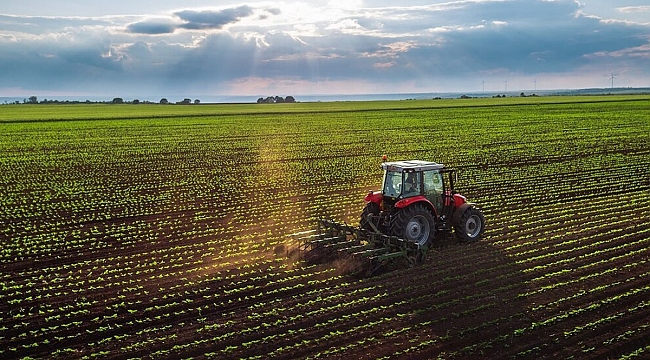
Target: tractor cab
<point>415,178</point>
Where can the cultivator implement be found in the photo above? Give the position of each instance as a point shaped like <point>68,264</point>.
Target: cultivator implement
<point>369,249</point>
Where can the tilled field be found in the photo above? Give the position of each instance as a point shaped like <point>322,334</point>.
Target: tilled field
<point>170,237</point>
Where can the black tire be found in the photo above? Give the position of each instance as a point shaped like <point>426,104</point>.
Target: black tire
<point>470,225</point>
<point>415,224</point>
<point>371,208</point>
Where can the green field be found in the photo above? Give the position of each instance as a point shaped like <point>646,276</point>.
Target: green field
<point>164,231</point>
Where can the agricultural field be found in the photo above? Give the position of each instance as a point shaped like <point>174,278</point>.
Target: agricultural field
<point>149,231</point>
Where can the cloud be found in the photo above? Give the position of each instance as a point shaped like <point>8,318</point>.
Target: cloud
<point>197,20</point>
<point>39,26</point>
<point>633,9</point>
<point>639,51</point>
<point>152,27</point>
<point>8,38</point>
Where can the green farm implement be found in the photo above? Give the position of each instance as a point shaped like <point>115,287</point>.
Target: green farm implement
<point>370,250</point>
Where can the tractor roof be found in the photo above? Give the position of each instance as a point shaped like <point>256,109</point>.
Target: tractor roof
<point>412,165</point>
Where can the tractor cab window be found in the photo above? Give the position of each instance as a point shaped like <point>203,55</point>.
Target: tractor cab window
<point>433,187</point>
<point>392,183</point>
<point>412,184</point>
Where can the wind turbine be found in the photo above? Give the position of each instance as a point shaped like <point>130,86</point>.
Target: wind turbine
<point>612,77</point>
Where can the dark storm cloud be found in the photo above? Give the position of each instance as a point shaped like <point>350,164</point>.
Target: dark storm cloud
<point>197,20</point>
<point>212,19</point>
<point>152,27</point>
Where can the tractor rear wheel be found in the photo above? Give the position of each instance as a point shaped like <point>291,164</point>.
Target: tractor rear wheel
<point>371,208</point>
<point>414,223</point>
<point>470,225</point>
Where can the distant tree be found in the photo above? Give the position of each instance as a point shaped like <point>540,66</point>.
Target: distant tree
<point>33,100</point>
<point>118,101</point>
<point>136,101</point>
<point>276,100</point>
<point>164,101</point>
<point>197,101</point>
<point>522,94</point>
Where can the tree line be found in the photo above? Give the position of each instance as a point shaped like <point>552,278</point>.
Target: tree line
<point>117,100</point>
<point>163,101</point>
<point>276,100</point>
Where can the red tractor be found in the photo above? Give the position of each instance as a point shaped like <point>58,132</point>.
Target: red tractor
<point>417,200</point>
<point>417,203</point>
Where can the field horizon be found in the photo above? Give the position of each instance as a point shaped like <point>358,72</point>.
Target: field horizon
<point>244,99</point>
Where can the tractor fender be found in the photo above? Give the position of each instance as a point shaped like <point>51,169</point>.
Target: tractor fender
<point>459,212</point>
<point>454,199</point>
<point>416,199</point>
<point>459,200</point>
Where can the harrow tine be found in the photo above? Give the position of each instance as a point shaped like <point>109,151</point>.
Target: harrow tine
<point>343,246</point>
<point>311,237</point>
<point>329,240</point>
<point>355,249</point>
<point>300,233</point>
<point>369,253</point>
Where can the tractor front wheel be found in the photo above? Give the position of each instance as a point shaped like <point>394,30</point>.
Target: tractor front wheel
<point>470,226</point>
<point>372,209</point>
<point>414,223</point>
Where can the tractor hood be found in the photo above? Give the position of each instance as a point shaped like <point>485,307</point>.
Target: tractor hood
<point>374,196</point>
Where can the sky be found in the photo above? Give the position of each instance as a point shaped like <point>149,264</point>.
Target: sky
<point>132,48</point>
